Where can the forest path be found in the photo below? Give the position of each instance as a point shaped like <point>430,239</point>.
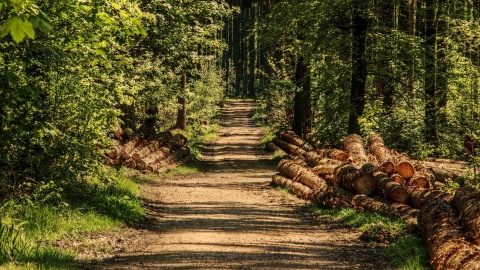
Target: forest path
<point>229,217</point>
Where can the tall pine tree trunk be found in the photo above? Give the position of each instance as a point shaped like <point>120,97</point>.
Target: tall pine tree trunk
<point>302,121</point>
<point>359,67</point>
<point>412,16</point>
<point>430,84</point>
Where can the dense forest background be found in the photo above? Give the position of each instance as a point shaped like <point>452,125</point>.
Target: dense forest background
<point>75,73</point>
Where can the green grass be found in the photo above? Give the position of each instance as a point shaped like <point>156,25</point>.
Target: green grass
<point>405,251</point>
<point>26,230</point>
<point>188,168</point>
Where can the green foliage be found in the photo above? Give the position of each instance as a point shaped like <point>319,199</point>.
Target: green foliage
<point>408,253</point>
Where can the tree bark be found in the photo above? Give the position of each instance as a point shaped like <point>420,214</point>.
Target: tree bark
<point>467,204</point>
<point>299,189</point>
<point>353,146</point>
<point>382,154</point>
<point>302,121</point>
<point>290,148</point>
<point>412,16</point>
<point>359,66</point>
<point>291,137</point>
<point>390,189</point>
<point>353,179</point>
<point>430,71</point>
<point>444,238</point>
<point>182,110</point>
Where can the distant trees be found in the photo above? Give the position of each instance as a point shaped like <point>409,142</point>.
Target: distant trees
<point>408,70</point>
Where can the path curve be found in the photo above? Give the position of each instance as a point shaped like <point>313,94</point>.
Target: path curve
<point>229,217</point>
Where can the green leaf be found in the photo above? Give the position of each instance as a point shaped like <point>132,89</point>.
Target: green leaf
<point>18,28</point>
<point>142,30</point>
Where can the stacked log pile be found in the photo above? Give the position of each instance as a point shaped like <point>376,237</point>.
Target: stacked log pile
<point>389,183</point>
<point>159,154</point>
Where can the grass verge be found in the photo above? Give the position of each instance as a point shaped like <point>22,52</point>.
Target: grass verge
<point>27,229</point>
<point>405,251</point>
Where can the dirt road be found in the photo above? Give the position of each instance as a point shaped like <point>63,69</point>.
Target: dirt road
<point>229,217</point>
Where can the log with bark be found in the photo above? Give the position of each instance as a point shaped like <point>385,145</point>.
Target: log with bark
<point>333,154</point>
<point>404,166</point>
<point>169,162</point>
<point>274,148</point>
<point>114,150</point>
<point>442,175</point>
<point>299,189</point>
<point>151,146</point>
<point>326,166</point>
<point>353,146</point>
<point>390,189</point>
<point>353,179</point>
<point>128,147</point>
<point>398,178</point>
<point>382,154</point>
<point>153,158</point>
<point>290,148</point>
<point>444,238</point>
<point>423,177</point>
<point>418,196</point>
<point>291,137</point>
<point>467,203</point>
<point>299,173</point>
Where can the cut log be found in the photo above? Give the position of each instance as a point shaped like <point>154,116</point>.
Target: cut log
<point>404,167</point>
<point>290,148</point>
<point>299,189</point>
<point>382,154</point>
<point>291,137</point>
<point>418,196</point>
<point>333,154</point>
<point>153,158</point>
<point>423,177</point>
<point>398,178</point>
<point>152,146</point>
<point>467,204</point>
<point>274,148</point>
<point>444,238</point>
<point>176,142</point>
<point>313,160</point>
<point>298,173</point>
<point>389,188</point>
<point>353,146</point>
<point>369,168</point>
<point>114,149</point>
<point>353,179</point>
<point>326,166</point>
<point>169,162</point>
<point>442,175</point>
<point>128,147</point>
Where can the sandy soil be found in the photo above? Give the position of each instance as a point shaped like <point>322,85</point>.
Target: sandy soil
<point>229,217</point>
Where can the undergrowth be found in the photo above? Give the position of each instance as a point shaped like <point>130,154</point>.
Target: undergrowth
<point>27,228</point>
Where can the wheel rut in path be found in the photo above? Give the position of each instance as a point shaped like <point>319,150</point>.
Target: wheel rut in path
<point>229,217</point>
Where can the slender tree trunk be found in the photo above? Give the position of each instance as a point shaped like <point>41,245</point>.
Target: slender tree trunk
<point>252,52</point>
<point>302,121</point>
<point>412,17</point>
<point>430,84</point>
<point>182,111</point>
<point>359,67</point>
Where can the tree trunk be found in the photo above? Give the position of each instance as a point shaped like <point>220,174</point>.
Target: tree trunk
<point>419,196</point>
<point>359,66</point>
<point>404,167</point>
<point>430,71</point>
<point>129,147</point>
<point>333,154</point>
<point>302,122</point>
<point>301,174</point>
<point>412,16</point>
<point>182,111</point>
<point>423,177</point>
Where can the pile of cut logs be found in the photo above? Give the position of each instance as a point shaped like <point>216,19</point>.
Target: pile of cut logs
<point>160,154</point>
<point>389,183</point>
